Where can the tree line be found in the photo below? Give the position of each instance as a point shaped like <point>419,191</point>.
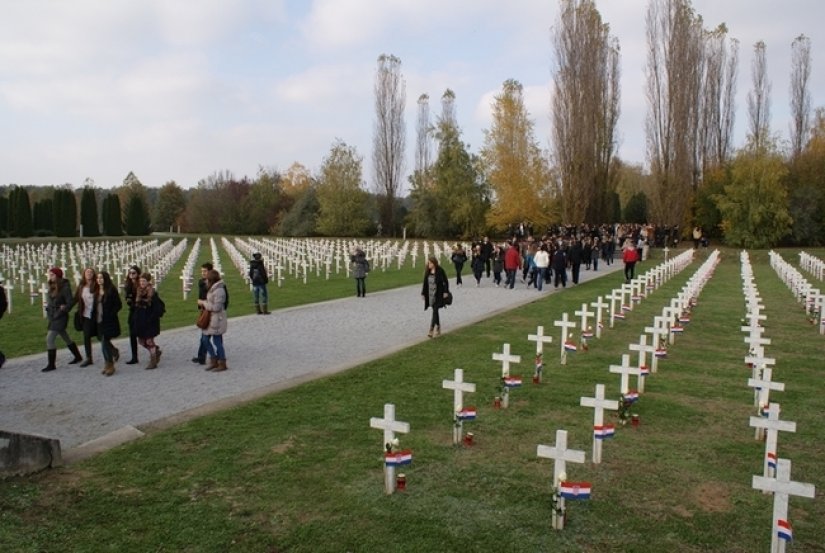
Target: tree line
<point>766,192</point>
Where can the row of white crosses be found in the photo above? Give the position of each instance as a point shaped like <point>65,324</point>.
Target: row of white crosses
<point>187,278</point>
<point>776,472</point>
<point>812,264</point>
<point>811,298</point>
<point>27,264</point>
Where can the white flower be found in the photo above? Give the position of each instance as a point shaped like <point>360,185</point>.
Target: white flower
<point>562,476</point>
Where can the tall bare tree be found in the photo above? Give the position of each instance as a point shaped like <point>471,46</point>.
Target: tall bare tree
<point>800,93</point>
<point>674,82</point>
<point>389,138</point>
<point>759,99</point>
<point>585,109</point>
<point>717,117</point>
<point>423,143</point>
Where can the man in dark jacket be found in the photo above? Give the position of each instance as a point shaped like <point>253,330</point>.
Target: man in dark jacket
<point>259,279</point>
<point>575,259</point>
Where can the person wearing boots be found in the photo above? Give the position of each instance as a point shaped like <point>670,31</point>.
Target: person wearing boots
<point>259,280</point>
<point>130,291</point>
<point>203,288</point>
<point>84,297</point>
<point>148,311</point>
<point>59,302</point>
<point>434,289</point>
<point>107,307</point>
<point>212,336</point>
<point>360,267</point>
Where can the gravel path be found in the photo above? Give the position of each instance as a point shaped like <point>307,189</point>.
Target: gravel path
<point>88,412</point>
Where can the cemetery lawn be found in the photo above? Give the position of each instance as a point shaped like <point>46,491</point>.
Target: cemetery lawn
<point>301,470</point>
<point>29,329</point>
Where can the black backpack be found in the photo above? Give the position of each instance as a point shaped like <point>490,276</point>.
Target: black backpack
<point>226,302</point>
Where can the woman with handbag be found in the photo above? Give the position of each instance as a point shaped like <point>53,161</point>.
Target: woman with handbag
<point>130,289</point>
<point>107,307</point>
<point>214,307</point>
<point>85,319</point>
<point>434,290</point>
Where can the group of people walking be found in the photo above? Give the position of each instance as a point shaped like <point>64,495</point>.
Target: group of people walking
<point>98,304</point>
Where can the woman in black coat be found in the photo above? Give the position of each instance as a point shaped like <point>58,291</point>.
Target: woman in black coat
<point>107,307</point>
<point>435,288</point>
<point>59,302</point>
<point>148,311</point>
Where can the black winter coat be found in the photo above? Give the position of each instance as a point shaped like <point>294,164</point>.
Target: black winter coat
<point>147,316</point>
<point>109,306</point>
<point>442,286</point>
<point>58,306</point>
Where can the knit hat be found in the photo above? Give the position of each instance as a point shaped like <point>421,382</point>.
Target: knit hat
<point>58,272</point>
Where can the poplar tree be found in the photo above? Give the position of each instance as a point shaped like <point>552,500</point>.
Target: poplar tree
<point>389,136</point>
<point>88,212</point>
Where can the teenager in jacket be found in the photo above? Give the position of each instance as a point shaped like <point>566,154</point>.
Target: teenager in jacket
<point>59,302</point>
<point>107,307</point>
<point>512,262</point>
<point>84,297</point>
<point>630,257</point>
<point>130,289</point>
<point>203,288</point>
<point>259,279</point>
<point>434,289</point>
<point>212,336</point>
<point>148,311</point>
<point>359,267</point>
<point>459,258</point>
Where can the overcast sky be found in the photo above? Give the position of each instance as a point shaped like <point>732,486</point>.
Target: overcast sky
<point>177,90</point>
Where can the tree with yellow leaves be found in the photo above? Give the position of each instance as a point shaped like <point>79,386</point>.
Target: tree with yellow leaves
<point>517,169</point>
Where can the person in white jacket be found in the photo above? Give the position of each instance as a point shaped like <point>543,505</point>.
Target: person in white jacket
<point>542,261</point>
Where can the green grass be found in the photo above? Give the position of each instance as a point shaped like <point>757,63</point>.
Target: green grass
<point>300,470</point>
<point>29,326</point>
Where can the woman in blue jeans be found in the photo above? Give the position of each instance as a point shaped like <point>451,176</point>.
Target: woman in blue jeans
<point>212,336</point>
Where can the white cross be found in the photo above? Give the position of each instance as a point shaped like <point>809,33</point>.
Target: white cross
<point>540,339</point>
<point>643,350</point>
<point>584,314</point>
<point>771,425</point>
<point>763,387</point>
<point>458,386</point>
<point>782,486</point>
<point>560,454</point>
<point>564,323</point>
<point>657,331</point>
<point>390,426</point>
<point>613,297</point>
<point>599,404</point>
<point>757,343</point>
<point>600,306</point>
<point>625,370</point>
<point>758,364</point>
<point>506,358</point>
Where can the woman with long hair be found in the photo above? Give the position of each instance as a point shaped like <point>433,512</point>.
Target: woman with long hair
<point>59,302</point>
<point>130,289</point>
<point>148,310</point>
<point>107,307</point>
<point>84,297</point>
<point>212,336</point>
<point>434,289</point>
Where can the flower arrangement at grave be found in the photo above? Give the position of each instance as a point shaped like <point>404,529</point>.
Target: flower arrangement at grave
<point>626,401</point>
<point>661,349</point>
<point>538,366</point>
<point>394,455</point>
<point>587,333</point>
<point>556,503</point>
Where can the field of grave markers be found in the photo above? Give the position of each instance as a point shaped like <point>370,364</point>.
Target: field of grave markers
<point>304,469</point>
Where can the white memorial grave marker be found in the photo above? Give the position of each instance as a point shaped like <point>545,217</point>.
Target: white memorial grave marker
<point>782,486</point>
<point>625,370</point>
<point>772,425</point>
<point>390,426</point>
<point>601,431</point>
<point>566,344</point>
<point>507,380</point>
<point>460,414</point>
<point>540,339</point>
<point>560,454</point>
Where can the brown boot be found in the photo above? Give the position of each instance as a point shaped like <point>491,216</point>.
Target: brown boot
<point>109,368</point>
<point>258,309</point>
<point>221,366</point>
<point>437,331</point>
<point>153,362</point>
<point>213,364</point>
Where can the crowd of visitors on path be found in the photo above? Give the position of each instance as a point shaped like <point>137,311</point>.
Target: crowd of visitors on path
<point>96,303</point>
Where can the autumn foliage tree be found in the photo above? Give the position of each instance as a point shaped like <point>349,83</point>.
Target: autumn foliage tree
<point>342,202</point>
<point>516,169</point>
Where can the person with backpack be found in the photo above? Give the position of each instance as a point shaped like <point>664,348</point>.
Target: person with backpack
<point>259,280</point>
<point>149,308</point>
<point>4,306</point>
<point>360,267</point>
